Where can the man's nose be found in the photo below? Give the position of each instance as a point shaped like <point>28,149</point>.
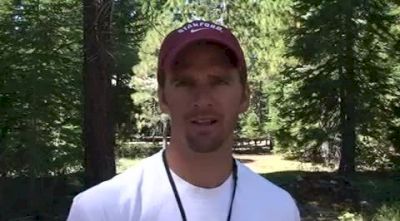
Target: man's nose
<point>202,97</point>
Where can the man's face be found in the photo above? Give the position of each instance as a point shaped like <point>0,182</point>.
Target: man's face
<point>203,95</point>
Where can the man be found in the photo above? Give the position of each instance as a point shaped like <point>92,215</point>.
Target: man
<point>202,82</point>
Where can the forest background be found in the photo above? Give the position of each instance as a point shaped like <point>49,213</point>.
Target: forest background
<point>78,89</point>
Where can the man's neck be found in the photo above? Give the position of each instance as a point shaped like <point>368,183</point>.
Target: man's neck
<point>207,170</point>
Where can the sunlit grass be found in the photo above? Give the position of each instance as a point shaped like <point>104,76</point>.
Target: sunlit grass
<point>267,163</point>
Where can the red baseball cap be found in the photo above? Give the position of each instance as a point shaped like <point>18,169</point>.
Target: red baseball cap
<point>196,31</point>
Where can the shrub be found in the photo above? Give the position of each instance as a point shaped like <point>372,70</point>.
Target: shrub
<point>137,149</point>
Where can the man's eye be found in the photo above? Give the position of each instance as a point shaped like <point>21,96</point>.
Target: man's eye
<point>221,82</point>
<point>181,83</point>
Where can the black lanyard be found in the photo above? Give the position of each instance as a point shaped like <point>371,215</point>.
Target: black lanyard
<point>178,199</point>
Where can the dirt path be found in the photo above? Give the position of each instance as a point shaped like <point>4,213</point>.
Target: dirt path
<point>269,163</point>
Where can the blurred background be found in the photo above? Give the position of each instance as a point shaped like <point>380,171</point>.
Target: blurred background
<point>78,98</point>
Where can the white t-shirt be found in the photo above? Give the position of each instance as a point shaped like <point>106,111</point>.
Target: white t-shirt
<point>143,193</point>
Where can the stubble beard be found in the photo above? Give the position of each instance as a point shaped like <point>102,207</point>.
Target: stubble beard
<point>199,144</point>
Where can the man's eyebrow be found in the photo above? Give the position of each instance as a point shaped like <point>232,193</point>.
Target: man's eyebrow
<point>176,77</point>
<point>229,72</point>
<point>228,77</point>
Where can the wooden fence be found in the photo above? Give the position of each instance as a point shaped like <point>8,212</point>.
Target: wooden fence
<point>241,145</point>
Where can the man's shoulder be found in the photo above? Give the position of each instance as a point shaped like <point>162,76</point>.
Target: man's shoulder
<point>122,189</point>
<point>264,193</point>
<point>259,183</point>
<point>112,187</point>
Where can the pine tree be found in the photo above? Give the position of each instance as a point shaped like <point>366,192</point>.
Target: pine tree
<point>40,87</point>
<point>340,89</point>
<point>130,24</point>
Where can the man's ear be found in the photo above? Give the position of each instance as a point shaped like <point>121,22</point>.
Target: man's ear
<point>162,101</point>
<point>245,100</point>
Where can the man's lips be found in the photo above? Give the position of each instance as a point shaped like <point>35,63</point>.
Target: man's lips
<point>204,121</point>
<point>203,118</point>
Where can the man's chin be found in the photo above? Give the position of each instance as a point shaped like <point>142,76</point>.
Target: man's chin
<point>204,146</point>
<point>208,149</point>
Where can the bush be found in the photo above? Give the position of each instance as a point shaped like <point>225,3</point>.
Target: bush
<point>137,149</point>
<point>348,216</point>
<point>388,212</point>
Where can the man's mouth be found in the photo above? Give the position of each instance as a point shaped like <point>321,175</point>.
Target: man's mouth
<point>204,121</point>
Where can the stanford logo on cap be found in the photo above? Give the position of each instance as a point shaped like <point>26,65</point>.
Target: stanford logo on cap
<point>197,31</point>
<point>197,26</point>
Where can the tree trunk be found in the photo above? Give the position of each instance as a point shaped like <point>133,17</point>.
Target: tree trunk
<point>347,96</point>
<point>347,130</point>
<point>98,131</point>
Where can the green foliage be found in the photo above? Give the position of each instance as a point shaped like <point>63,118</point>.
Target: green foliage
<point>40,83</point>
<point>348,216</point>
<point>344,70</point>
<point>40,100</point>
<point>388,212</point>
<point>135,150</point>
<point>261,38</point>
<point>148,120</point>
<point>131,20</point>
